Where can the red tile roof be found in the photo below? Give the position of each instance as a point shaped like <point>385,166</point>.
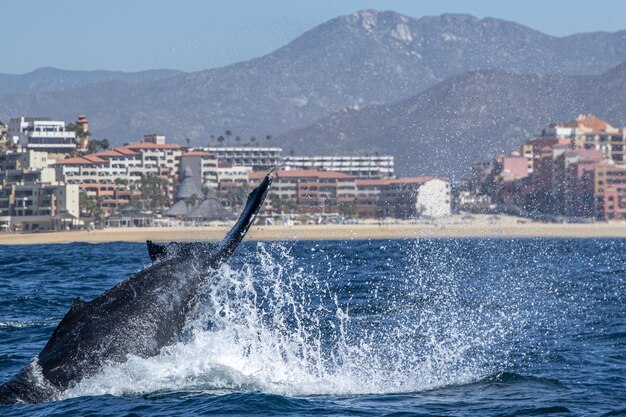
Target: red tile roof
<point>116,152</point>
<point>589,121</point>
<point>199,153</point>
<point>126,151</point>
<point>82,160</point>
<point>372,183</point>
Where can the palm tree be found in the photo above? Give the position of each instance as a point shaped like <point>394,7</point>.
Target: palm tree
<point>268,137</point>
<point>121,181</point>
<point>96,145</point>
<point>153,191</point>
<point>192,201</point>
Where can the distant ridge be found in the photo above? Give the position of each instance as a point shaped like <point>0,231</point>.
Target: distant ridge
<point>365,58</point>
<point>464,119</point>
<point>54,79</point>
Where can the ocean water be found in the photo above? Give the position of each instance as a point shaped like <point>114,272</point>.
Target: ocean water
<point>473,327</point>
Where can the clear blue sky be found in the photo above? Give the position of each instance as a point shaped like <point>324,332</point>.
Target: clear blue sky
<point>132,35</point>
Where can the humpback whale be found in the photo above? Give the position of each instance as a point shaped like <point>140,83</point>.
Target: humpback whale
<point>139,316</point>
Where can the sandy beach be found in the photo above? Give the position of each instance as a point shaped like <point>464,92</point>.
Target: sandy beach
<point>451,227</point>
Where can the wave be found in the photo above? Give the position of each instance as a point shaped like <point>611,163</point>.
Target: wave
<point>23,324</point>
<point>271,326</point>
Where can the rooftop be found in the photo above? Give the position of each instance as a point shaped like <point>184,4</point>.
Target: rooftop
<point>198,153</point>
<point>115,152</point>
<point>372,183</point>
<point>588,121</point>
<point>82,160</point>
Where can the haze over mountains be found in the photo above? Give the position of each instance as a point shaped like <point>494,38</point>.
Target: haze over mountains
<point>465,118</point>
<point>54,79</point>
<point>300,92</point>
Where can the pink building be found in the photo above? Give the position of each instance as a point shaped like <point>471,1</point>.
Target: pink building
<point>514,168</point>
<point>610,191</point>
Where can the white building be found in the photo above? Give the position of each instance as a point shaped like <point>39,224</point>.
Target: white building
<point>39,206</point>
<point>41,133</point>
<point>434,199</point>
<point>366,167</point>
<point>102,175</point>
<point>26,166</point>
<point>233,175</point>
<point>203,166</point>
<point>259,158</point>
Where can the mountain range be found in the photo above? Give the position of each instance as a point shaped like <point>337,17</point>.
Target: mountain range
<point>423,82</point>
<point>54,79</point>
<point>466,118</point>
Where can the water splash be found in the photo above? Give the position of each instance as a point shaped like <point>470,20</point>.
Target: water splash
<point>273,326</point>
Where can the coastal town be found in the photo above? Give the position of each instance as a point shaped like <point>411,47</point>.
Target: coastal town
<point>573,171</point>
<point>55,176</point>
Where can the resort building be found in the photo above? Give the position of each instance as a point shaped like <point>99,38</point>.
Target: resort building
<point>113,177</point>
<point>434,198</point>
<point>233,176</point>
<point>513,167</point>
<point>416,196</point>
<point>610,191</point>
<point>368,196</point>
<point>336,193</point>
<point>366,167</point>
<point>318,192</point>
<point>258,158</point>
<point>26,166</point>
<point>41,133</point>
<point>573,182</point>
<point>28,207</point>
<point>589,132</point>
<point>203,165</point>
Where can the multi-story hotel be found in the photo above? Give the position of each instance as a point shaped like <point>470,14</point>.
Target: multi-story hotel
<point>259,158</point>
<point>589,132</point>
<point>415,197</point>
<point>38,206</point>
<point>41,133</point>
<point>319,192</point>
<point>203,166</point>
<point>367,167</point>
<point>233,176</point>
<point>104,175</point>
<point>26,166</point>
<point>610,191</point>
<point>313,191</point>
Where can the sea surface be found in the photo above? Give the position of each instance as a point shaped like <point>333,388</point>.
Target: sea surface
<point>455,327</point>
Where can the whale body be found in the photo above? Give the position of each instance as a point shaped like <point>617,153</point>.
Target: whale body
<point>139,316</point>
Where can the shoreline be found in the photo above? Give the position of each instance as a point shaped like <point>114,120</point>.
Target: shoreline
<point>453,227</point>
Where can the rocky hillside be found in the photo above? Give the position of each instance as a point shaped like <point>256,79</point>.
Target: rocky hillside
<point>365,58</point>
<point>463,119</point>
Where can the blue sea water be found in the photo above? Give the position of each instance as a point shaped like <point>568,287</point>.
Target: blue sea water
<point>489,327</point>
